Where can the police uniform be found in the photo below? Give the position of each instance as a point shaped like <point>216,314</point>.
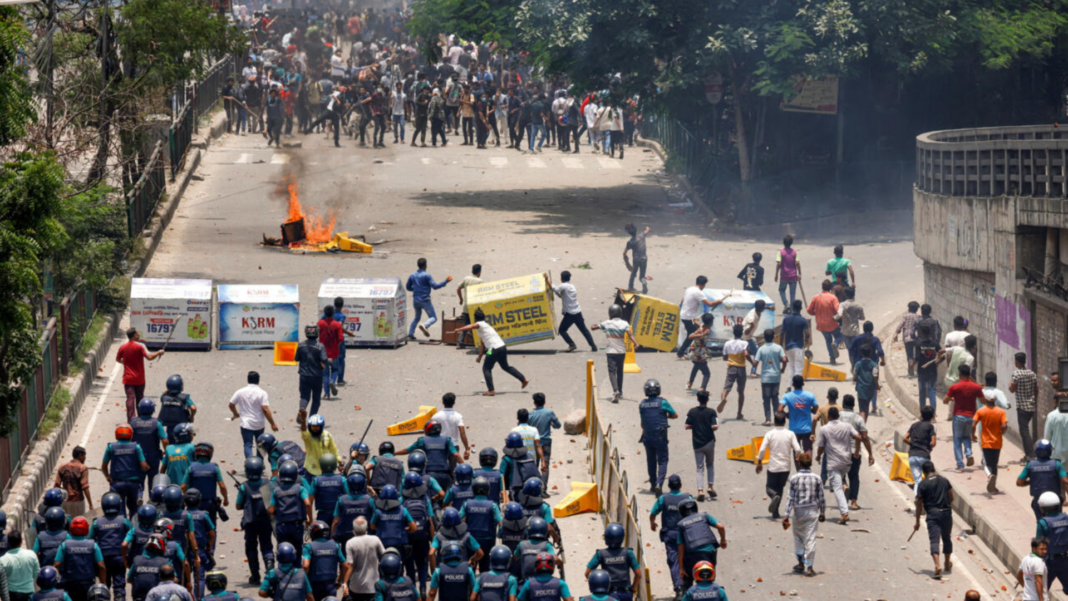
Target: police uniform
<point>202,524</point>
<point>453,581</point>
<point>495,586</point>
<point>541,588</point>
<point>654,413</point>
<point>124,466</point>
<point>77,559</point>
<point>327,490</point>
<point>47,544</point>
<point>618,563</point>
<point>511,533</point>
<point>515,472</point>
<point>668,505</point>
<point>1045,476</point>
<point>180,534</point>
<point>109,534</point>
<point>346,510</point>
<point>482,516</point>
<point>705,592</point>
<point>387,470</point>
<point>256,523</point>
<point>400,589</point>
<point>417,555</point>
<point>458,535</point>
<point>439,453</point>
<point>291,585</point>
<point>149,433</point>
<point>525,557</point>
<point>52,594</point>
<point>458,495</point>
<point>136,538</point>
<point>144,575</point>
<point>205,477</point>
<point>174,410</point>
<point>287,447</point>
<point>494,477</point>
<point>699,541</point>
<point>324,558</point>
<point>1055,529</point>
<point>289,513</point>
<point>391,526</point>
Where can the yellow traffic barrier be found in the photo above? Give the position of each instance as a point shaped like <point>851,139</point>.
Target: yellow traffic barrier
<point>344,242</point>
<point>582,498</point>
<point>747,452</point>
<point>415,424</point>
<point>630,366</point>
<point>285,353</point>
<point>899,468</point>
<point>820,372</point>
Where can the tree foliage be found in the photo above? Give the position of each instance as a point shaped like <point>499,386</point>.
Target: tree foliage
<point>16,106</point>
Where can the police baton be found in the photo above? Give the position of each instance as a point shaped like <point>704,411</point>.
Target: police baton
<point>563,562</point>
<point>173,330</point>
<point>348,465</point>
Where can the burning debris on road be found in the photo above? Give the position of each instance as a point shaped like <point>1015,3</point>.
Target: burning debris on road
<point>307,231</point>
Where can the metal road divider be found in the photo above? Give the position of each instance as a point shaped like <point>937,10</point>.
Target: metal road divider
<point>617,504</point>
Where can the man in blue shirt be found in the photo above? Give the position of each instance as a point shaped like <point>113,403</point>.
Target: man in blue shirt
<point>801,405</point>
<point>420,284</point>
<point>771,360</point>
<point>794,333</point>
<point>544,420</point>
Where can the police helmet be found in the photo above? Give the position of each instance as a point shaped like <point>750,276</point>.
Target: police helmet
<point>1043,449</point>
<point>615,311</point>
<point>432,428</point>
<point>359,448</point>
<point>463,474</point>
<point>156,544</point>
<point>286,553</point>
<point>450,518</point>
<point>413,482</point>
<point>537,529</point>
<point>79,526</point>
<point>500,558</point>
<point>390,566</point>
<point>328,463</point>
<point>156,494</point>
<point>53,497</point>
<point>215,580</point>
<point>613,535</point>
<point>687,507</point>
<point>487,457</point>
<point>652,388</point>
<point>123,432</point>
<point>532,487</point>
<point>193,498</point>
<point>204,450</point>
<point>319,530</point>
<point>284,457</point>
<point>183,433</point>
<point>417,461</point>
<point>357,484</point>
<point>388,498</point>
<point>1049,499</point>
<point>288,472</point>
<point>47,578</point>
<point>111,503</point>
<point>98,592</point>
<point>674,482</point>
<point>146,515</point>
<point>165,528</point>
<point>386,448</point>
<point>175,384</point>
<point>172,498</point>
<point>55,519</point>
<point>514,441</point>
<point>544,564</point>
<point>145,407</point>
<point>266,442</point>
<point>452,553</point>
<point>481,486</point>
<point>704,571</point>
<point>253,468</point>
<point>600,582</point>
<point>513,511</point>
<point>311,332</point>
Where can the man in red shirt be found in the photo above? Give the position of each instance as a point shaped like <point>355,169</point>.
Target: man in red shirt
<point>963,394</point>
<point>132,356</point>
<point>331,335</point>
<point>824,306</point>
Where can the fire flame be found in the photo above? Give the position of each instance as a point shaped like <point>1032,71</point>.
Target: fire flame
<point>318,229</point>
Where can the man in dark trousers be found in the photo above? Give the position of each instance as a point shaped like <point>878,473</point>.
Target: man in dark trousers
<point>639,260</point>
<point>334,109</point>
<point>935,497</point>
<point>311,363</point>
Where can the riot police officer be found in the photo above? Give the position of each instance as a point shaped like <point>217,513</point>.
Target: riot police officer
<point>174,510</point>
<point>287,581</point>
<point>513,530</point>
<point>417,503</point>
<point>204,535</point>
<point>496,583</point>
<point>274,449</point>
<point>290,506</point>
<point>123,466</point>
<point>391,522</point>
<point>385,469</point>
<point>453,530</point>
<point>144,571</point>
<point>174,553</point>
<point>353,504</point>
<point>619,562</point>
<point>151,435</point>
<point>47,581</point>
<point>668,504</point>
<point>528,551</point>
<point>178,456</point>
<point>487,461</point>
<point>80,561</point>
<point>482,517</point>
<point>460,492</point>
<point>454,578</point>
<point>217,584</point>
<point>441,454</point>
<point>1043,474</point>
<point>98,592</point>
<point>705,587</point>
<point>109,531</point>
<point>205,476</point>
<point>358,456</point>
<point>136,537</point>
<point>655,411</point>
<point>532,501</point>
<point>543,586</point>
<point>322,559</point>
<point>417,464</point>
<point>326,489</point>
<point>393,586</point>
<point>176,407</point>
<point>255,519</point>
<point>518,465</point>
<point>53,497</point>
<point>48,542</point>
<point>600,583</point>
<point>1053,526</point>
<point>697,542</point>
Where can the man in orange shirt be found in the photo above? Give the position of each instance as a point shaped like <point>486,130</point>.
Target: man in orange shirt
<point>994,421</point>
<point>824,306</point>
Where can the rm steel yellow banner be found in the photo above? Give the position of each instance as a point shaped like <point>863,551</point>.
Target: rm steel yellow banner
<point>655,322</point>
<point>520,309</point>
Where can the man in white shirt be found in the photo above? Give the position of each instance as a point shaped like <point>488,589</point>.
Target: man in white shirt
<point>360,570</point>
<point>1032,573</point>
<point>692,301</point>
<point>572,312</point>
<point>452,423</point>
<point>782,448</point>
<point>337,66</point>
<point>616,331</point>
<point>590,113</point>
<point>250,405</point>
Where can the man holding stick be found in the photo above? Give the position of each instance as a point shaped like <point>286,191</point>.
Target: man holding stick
<point>132,357</point>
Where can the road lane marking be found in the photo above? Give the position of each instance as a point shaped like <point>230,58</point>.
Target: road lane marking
<point>573,163</point>
<point>536,163</point>
<point>425,160</point>
<point>100,403</point>
<point>279,159</point>
<point>609,163</point>
<point>499,162</point>
<point>243,158</point>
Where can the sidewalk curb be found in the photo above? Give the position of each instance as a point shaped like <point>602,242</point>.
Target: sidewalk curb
<point>683,182</point>
<point>962,505</point>
<point>44,455</point>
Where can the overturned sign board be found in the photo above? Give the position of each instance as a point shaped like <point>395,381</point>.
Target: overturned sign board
<point>655,322</point>
<point>520,309</point>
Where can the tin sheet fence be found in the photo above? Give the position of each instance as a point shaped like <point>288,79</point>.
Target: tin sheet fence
<point>617,504</point>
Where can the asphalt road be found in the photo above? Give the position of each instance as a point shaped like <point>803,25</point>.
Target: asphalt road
<point>518,214</point>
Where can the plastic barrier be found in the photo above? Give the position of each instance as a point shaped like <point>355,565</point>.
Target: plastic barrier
<point>582,498</point>
<point>285,353</point>
<point>414,424</point>
<point>899,468</point>
<point>630,366</point>
<point>820,372</point>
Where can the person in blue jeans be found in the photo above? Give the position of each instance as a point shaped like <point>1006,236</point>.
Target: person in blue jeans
<point>963,394</point>
<point>338,370</point>
<point>420,284</point>
<point>925,361</point>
